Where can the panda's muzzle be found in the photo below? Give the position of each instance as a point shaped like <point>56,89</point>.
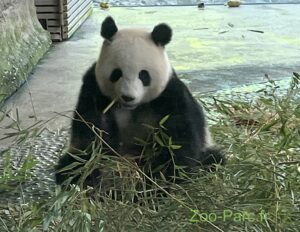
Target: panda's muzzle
<point>127,102</point>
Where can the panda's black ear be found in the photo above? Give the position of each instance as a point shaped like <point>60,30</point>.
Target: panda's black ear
<point>161,34</point>
<point>108,28</point>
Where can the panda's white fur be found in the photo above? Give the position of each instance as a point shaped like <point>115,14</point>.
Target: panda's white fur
<point>132,51</point>
<point>132,45</point>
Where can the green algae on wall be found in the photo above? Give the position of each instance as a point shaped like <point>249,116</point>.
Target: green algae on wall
<point>23,42</point>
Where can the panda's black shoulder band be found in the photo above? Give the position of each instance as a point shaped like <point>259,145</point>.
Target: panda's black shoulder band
<point>108,28</point>
<point>161,34</point>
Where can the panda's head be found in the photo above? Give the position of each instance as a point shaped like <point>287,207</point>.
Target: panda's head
<point>133,67</point>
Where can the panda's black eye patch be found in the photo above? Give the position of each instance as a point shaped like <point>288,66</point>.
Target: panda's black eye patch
<point>115,75</point>
<point>145,77</point>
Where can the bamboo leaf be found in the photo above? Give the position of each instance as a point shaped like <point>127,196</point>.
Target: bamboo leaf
<point>175,147</point>
<point>158,140</point>
<point>163,120</point>
<point>70,167</point>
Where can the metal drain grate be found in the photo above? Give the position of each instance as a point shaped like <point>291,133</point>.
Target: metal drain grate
<point>45,149</point>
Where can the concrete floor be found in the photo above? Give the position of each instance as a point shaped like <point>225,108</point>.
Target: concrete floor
<point>212,49</point>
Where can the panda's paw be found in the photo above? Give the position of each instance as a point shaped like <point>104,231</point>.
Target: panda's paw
<point>62,176</point>
<point>212,156</point>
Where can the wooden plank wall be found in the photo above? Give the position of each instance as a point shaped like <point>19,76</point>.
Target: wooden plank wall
<point>62,17</point>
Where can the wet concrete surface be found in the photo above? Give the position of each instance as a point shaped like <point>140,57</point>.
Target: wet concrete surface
<point>186,2</point>
<point>212,49</point>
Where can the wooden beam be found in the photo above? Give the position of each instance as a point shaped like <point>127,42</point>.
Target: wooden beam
<point>47,9</point>
<point>46,2</point>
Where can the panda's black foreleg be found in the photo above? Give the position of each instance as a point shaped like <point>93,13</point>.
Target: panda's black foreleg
<point>88,115</point>
<point>187,127</point>
<point>81,138</point>
<point>62,176</point>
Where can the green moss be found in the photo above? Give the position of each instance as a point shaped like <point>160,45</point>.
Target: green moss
<point>22,43</point>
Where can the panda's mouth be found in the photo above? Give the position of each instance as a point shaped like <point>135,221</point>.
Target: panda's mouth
<point>127,106</point>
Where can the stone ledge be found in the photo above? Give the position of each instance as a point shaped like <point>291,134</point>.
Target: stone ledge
<point>23,42</point>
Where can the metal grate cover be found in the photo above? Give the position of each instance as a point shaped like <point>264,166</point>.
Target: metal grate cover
<point>45,149</point>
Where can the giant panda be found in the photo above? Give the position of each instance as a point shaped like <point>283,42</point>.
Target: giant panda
<point>133,71</point>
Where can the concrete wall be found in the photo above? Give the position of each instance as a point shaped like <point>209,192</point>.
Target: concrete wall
<point>22,43</point>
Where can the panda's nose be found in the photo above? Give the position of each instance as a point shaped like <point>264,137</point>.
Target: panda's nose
<point>127,98</point>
